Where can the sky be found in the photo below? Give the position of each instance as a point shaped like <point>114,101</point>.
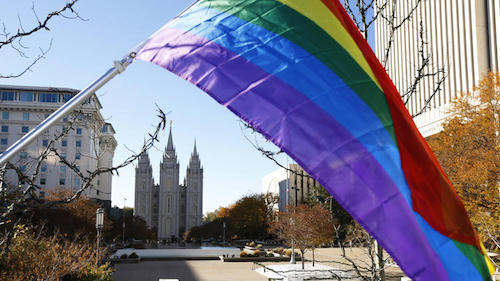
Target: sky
<point>81,51</point>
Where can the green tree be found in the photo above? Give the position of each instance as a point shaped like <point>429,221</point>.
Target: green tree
<point>135,227</point>
<point>339,216</point>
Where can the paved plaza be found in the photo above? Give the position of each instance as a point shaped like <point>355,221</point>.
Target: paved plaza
<point>214,270</point>
<point>187,271</point>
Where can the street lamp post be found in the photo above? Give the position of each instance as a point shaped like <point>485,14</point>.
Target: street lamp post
<point>292,257</point>
<point>99,223</point>
<point>224,233</point>
<point>123,219</point>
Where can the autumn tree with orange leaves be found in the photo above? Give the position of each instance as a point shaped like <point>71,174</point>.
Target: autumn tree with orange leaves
<point>468,150</point>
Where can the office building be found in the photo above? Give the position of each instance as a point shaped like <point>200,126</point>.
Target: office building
<point>462,36</point>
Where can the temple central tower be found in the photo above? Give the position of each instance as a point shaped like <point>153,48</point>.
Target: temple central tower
<point>171,207</point>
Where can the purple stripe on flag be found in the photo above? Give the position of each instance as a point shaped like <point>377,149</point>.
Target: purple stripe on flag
<point>308,134</point>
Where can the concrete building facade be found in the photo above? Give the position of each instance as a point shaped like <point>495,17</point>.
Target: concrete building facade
<point>89,145</point>
<point>463,37</point>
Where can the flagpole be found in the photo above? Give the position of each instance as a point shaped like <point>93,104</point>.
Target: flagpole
<point>118,67</point>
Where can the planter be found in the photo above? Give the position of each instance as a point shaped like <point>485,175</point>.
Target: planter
<point>115,261</point>
<point>256,259</point>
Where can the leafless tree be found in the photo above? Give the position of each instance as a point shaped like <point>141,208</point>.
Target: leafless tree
<point>371,265</point>
<point>16,39</point>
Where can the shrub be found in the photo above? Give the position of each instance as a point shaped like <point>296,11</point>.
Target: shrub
<point>243,254</point>
<point>133,256</point>
<point>124,256</point>
<point>251,244</point>
<point>288,252</point>
<point>269,255</point>
<point>259,246</point>
<point>102,273</point>
<point>257,253</point>
<point>33,256</point>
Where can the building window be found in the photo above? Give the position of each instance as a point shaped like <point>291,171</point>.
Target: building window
<point>3,141</point>
<point>24,129</point>
<point>23,154</point>
<point>64,143</point>
<point>43,168</point>
<point>5,129</point>
<point>43,181</point>
<point>48,97</point>
<point>168,204</point>
<point>79,117</point>
<point>76,182</point>
<point>45,143</point>
<point>104,128</point>
<point>78,143</point>
<point>8,95</point>
<point>5,115</point>
<point>77,168</point>
<point>42,194</point>
<point>78,156</point>
<point>63,155</point>
<point>26,116</point>
<point>62,181</point>
<point>22,169</point>
<point>62,169</point>
<point>97,192</point>
<point>78,131</point>
<point>26,96</point>
<point>67,97</point>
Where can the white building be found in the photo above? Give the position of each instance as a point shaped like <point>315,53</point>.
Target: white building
<point>171,207</point>
<point>463,36</point>
<point>276,183</point>
<point>289,186</point>
<point>89,145</point>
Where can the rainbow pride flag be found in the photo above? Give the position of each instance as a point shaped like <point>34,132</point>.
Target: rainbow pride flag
<point>300,73</point>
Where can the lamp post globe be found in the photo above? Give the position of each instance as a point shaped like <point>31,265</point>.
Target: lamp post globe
<point>99,224</point>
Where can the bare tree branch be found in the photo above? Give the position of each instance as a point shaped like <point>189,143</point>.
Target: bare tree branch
<point>42,25</point>
<point>15,40</point>
<point>421,74</point>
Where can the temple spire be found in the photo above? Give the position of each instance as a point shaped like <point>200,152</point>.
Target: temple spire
<point>170,143</point>
<point>194,151</point>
